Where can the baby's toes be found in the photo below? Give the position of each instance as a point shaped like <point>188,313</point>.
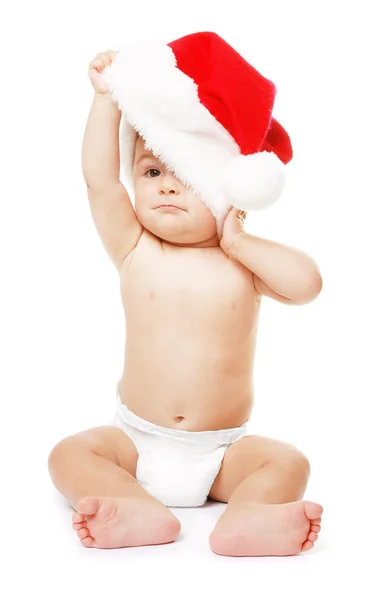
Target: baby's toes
<point>312,536</point>
<point>88,542</point>
<point>83,533</point>
<point>306,546</point>
<point>85,538</point>
<point>312,510</point>
<point>78,517</point>
<point>315,528</point>
<point>79,521</point>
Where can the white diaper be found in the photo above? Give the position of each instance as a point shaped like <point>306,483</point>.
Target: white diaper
<point>176,467</point>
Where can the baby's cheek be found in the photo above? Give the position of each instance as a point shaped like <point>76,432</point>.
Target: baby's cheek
<point>142,203</point>
<point>139,193</point>
<point>204,213</point>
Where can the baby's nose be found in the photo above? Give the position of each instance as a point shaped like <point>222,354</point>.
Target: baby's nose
<point>168,191</point>
<point>169,187</point>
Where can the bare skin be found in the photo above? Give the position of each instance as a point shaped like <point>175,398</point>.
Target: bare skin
<point>267,530</point>
<point>190,310</point>
<point>177,300</point>
<point>180,334</point>
<point>170,338</point>
<point>120,523</point>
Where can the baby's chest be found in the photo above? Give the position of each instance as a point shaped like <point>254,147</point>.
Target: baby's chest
<point>190,294</point>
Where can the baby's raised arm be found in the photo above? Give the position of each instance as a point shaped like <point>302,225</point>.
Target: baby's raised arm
<point>112,212</point>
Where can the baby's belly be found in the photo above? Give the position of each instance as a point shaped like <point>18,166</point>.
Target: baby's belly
<point>184,386</point>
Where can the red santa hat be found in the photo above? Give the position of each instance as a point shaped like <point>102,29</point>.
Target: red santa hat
<point>206,113</point>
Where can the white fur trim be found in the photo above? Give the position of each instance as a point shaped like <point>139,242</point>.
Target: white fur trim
<point>254,182</point>
<point>161,103</point>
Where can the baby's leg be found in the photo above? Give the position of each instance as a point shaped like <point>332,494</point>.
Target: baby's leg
<point>95,470</point>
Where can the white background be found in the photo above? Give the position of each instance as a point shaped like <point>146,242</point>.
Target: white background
<point>321,367</point>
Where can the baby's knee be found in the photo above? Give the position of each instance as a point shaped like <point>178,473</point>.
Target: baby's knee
<point>59,453</point>
<point>300,463</point>
<point>173,527</point>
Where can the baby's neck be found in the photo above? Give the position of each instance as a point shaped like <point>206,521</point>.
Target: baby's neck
<point>213,242</point>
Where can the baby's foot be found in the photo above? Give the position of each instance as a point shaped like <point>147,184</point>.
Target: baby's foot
<point>267,529</point>
<point>122,522</point>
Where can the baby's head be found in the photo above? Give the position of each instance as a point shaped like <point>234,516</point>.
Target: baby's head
<point>154,185</point>
<point>223,143</point>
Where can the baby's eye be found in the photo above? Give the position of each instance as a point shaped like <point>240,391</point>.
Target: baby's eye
<point>153,170</point>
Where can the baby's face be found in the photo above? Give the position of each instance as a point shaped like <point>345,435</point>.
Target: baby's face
<point>154,185</point>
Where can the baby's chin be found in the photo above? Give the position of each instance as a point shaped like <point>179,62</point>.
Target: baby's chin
<point>167,231</point>
<point>182,237</point>
<point>178,227</point>
<point>177,238</point>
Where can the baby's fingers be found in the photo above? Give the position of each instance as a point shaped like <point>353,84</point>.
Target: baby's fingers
<point>97,67</point>
<point>102,60</point>
<point>112,54</point>
<point>108,56</point>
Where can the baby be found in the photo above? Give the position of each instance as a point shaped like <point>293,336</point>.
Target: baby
<point>191,294</point>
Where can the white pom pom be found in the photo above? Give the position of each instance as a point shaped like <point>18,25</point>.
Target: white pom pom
<point>253,182</point>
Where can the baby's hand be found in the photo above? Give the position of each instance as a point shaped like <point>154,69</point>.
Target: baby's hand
<point>97,66</point>
<point>233,227</point>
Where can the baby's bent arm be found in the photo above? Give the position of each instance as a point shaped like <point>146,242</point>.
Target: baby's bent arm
<point>113,214</point>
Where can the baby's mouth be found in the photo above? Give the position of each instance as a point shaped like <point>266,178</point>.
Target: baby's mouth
<point>169,207</point>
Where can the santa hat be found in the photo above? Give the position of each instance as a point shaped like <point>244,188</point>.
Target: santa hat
<point>206,113</point>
